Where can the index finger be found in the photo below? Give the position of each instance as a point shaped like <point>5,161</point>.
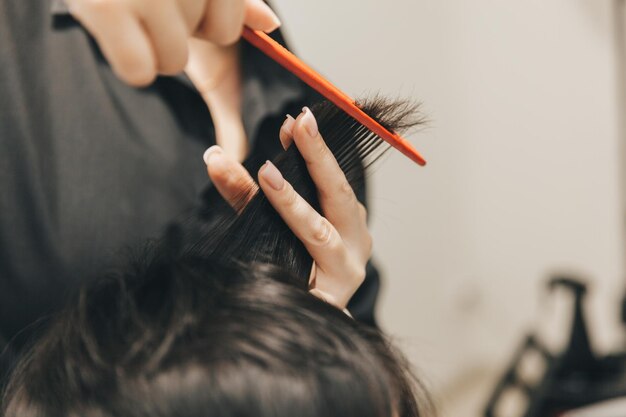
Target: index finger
<point>337,199</point>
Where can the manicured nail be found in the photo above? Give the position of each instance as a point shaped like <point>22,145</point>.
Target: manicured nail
<point>272,175</point>
<point>288,124</point>
<point>212,150</point>
<point>273,17</point>
<point>276,23</point>
<point>310,124</point>
<point>286,130</point>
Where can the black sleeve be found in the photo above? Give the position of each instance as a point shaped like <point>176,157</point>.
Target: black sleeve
<point>363,303</point>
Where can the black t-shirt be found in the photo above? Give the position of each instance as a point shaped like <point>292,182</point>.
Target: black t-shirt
<point>89,165</point>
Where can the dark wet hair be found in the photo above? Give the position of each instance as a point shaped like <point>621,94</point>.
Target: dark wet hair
<point>215,320</point>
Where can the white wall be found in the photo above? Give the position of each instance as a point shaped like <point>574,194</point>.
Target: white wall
<point>523,174</point>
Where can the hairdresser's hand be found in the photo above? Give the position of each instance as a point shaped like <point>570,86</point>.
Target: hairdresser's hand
<point>339,241</point>
<point>143,38</point>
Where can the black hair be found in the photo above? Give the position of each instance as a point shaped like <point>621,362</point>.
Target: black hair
<point>258,234</point>
<point>215,320</point>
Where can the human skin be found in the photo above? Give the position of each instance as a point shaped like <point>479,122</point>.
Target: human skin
<point>144,38</point>
<point>339,242</point>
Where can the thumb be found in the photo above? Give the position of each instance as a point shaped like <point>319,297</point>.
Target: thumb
<point>259,16</point>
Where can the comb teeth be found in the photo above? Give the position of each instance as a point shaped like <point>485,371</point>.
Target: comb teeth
<point>222,233</point>
<point>354,145</point>
<point>293,64</point>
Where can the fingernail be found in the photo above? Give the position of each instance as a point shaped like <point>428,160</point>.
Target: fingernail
<point>272,175</point>
<point>276,23</point>
<point>212,150</point>
<point>287,126</point>
<point>273,17</point>
<point>286,131</point>
<point>309,122</point>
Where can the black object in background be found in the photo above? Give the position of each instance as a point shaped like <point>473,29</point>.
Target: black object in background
<point>573,378</point>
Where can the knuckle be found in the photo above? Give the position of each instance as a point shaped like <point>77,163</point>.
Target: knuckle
<point>174,63</point>
<point>346,192</point>
<point>368,243</point>
<point>342,193</point>
<point>322,233</point>
<point>322,150</point>
<point>130,63</point>
<point>346,188</point>
<point>362,211</point>
<point>291,201</point>
<point>138,75</point>
<point>358,272</point>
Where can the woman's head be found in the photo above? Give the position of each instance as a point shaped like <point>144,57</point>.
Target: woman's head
<point>183,337</point>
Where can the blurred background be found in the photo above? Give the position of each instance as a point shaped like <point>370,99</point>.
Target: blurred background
<point>525,150</point>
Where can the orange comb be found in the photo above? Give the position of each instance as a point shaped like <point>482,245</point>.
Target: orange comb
<point>294,65</point>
